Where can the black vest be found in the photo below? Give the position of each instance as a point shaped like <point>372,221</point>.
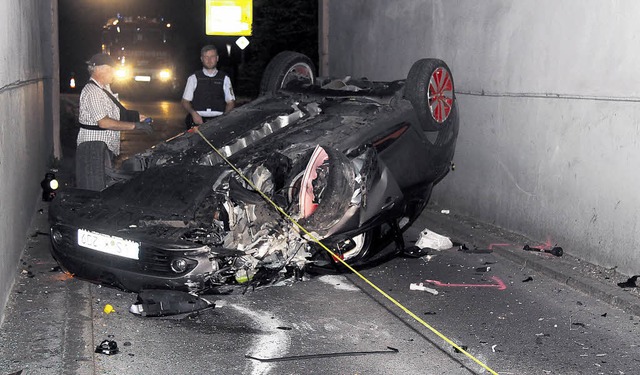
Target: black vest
<point>209,92</point>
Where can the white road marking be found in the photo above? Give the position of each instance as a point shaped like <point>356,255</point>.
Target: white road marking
<point>339,282</point>
<point>271,343</point>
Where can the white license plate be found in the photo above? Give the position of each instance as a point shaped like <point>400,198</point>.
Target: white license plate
<point>142,78</point>
<point>108,244</point>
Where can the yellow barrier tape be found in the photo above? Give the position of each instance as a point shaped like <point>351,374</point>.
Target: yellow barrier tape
<point>334,256</point>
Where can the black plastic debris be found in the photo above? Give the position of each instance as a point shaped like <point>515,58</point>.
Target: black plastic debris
<point>475,250</point>
<point>464,347</point>
<point>578,324</point>
<point>323,355</point>
<point>630,283</point>
<point>415,252</point>
<point>483,269</point>
<point>155,303</point>
<point>527,279</point>
<point>604,315</point>
<point>107,347</point>
<point>285,328</point>
<point>557,251</point>
<point>430,313</point>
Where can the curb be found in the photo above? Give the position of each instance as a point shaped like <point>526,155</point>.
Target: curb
<point>466,230</point>
<point>590,287</point>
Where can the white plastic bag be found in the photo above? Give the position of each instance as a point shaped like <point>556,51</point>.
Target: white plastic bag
<point>433,240</point>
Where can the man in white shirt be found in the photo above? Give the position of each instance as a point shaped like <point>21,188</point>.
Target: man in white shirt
<point>102,117</point>
<point>208,92</point>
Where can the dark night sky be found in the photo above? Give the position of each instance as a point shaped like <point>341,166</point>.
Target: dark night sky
<point>278,25</point>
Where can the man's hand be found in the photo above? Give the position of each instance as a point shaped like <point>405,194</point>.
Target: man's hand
<point>143,126</point>
<point>197,119</point>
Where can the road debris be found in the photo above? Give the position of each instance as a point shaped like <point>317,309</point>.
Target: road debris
<point>433,240</point>
<point>415,252</point>
<point>556,250</point>
<point>475,250</point>
<point>499,284</point>
<point>108,309</point>
<point>323,355</point>
<point>157,303</point>
<point>463,347</point>
<point>527,279</point>
<point>483,269</point>
<point>107,347</point>
<point>630,283</point>
<point>420,286</point>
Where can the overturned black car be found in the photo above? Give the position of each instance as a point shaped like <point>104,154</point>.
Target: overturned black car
<point>352,161</point>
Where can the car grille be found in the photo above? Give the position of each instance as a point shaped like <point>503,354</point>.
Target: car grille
<point>152,260</point>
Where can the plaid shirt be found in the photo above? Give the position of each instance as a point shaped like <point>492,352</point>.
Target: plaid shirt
<point>96,105</point>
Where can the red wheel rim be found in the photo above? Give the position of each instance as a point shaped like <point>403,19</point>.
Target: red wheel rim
<point>299,71</point>
<point>440,95</point>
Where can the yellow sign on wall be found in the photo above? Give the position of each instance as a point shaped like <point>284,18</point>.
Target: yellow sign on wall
<point>229,17</point>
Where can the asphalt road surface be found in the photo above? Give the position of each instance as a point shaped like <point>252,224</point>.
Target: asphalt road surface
<point>511,319</point>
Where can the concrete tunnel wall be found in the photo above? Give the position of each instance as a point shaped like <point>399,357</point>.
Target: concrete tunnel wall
<point>29,106</point>
<point>549,98</point>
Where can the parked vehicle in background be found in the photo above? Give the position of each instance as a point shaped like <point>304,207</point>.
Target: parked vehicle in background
<point>146,54</point>
<point>352,161</point>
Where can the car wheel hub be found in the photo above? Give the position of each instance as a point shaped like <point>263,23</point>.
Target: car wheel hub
<point>440,95</point>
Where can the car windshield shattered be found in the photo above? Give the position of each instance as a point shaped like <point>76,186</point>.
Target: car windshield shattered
<point>241,201</point>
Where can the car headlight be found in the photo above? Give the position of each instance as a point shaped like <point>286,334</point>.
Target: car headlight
<point>122,73</point>
<point>165,75</point>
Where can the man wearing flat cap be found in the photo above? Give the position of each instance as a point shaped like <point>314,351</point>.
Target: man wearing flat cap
<point>102,117</point>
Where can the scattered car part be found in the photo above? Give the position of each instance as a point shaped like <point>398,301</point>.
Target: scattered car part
<point>422,287</point>
<point>157,302</point>
<point>107,347</point>
<point>557,251</point>
<point>323,355</point>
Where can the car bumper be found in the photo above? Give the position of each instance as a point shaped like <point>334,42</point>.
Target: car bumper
<point>151,271</point>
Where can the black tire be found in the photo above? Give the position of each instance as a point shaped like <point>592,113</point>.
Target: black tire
<point>285,67</point>
<point>92,160</point>
<point>429,87</point>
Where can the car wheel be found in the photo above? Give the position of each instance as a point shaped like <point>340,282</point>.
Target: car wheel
<point>285,67</point>
<point>92,160</point>
<point>429,87</point>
